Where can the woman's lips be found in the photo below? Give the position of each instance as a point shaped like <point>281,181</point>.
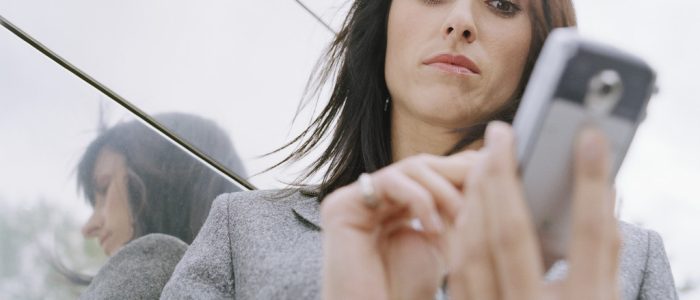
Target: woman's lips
<point>452,68</point>
<point>456,64</point>
<point>103,240</point>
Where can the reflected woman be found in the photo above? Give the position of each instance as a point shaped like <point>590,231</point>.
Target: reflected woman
<point>417,82</point>
<point>140,184</point>
<point>111,222</point>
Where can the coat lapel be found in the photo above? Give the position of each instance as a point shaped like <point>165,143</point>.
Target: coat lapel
<point>308,210</point>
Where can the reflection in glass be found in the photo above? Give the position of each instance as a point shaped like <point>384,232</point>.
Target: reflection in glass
<point>139,183</point>
<point>57,134</point>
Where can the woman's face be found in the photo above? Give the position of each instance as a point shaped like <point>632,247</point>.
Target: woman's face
<point>111,220</point>
<point>451,62</point>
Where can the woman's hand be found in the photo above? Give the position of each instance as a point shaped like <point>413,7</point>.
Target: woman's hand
<point>493,247</point>
<point>373,252</point>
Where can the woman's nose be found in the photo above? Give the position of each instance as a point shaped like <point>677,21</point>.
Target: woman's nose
<point>92,226</point>
<point>459,23</point>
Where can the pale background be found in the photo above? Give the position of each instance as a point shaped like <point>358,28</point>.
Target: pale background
<point>244,64</point>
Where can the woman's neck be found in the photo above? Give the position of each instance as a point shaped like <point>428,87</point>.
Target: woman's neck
<point>411,136</point>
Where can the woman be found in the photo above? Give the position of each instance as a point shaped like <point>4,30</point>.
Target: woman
<point>149,200</point>
<point>417,79</point>
<point>139,183</point>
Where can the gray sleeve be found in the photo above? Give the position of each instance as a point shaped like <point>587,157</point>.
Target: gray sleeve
<point>205,271</point>
<point>137,271</point>
<point>658,280</point>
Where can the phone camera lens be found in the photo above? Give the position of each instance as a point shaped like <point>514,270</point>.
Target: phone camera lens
<point>607,82</point>
<point>604,92</point>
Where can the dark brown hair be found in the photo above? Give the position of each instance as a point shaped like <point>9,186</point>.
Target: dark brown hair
<point>359,128</point>
<point>169,191</point>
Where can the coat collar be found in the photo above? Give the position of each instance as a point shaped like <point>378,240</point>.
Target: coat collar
<point>308,210</point>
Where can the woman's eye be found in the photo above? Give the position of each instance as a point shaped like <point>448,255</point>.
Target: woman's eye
<point>504,7</point>
<point>100,191</point>
<point>432,2</point>
<point>102,188</point>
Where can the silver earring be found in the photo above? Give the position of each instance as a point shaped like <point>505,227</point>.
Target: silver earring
<point>386,104</point>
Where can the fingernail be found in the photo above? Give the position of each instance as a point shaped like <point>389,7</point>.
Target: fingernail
<point>591,145</point>
<point>436,222</point>
<point>496,133</point>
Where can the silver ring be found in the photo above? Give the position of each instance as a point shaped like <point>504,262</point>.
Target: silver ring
<point>368,193</point>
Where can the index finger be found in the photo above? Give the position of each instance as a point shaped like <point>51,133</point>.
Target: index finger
<point>512,234</point>
<point>593,253</point>
<point>455,168</point>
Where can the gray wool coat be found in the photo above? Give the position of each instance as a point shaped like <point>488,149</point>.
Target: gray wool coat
<point>258,245</point>
<point>139,270</point>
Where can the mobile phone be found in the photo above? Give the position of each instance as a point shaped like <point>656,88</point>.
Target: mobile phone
<point>576,82</point>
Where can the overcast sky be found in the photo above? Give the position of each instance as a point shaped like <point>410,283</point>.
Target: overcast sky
<point>244,64</point>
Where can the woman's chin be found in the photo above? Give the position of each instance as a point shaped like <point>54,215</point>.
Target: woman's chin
<point>443,112</point>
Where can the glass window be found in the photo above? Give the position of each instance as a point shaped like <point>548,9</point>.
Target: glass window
<point>241,67</point>
<point>84,177</point>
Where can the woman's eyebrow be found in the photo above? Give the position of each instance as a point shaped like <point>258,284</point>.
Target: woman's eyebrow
<point>522,3</point>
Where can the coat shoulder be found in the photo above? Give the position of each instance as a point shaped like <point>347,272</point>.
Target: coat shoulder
<point>258,199</point>
<point>644,265</point>
<point>262,208</point>
<point>139,270</point>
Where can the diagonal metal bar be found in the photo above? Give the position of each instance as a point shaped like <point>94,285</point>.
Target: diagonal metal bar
<point>315,16</point>
<point>150,121</point>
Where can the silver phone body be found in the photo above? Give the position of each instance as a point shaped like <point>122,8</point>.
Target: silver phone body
<point>575,82</point>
